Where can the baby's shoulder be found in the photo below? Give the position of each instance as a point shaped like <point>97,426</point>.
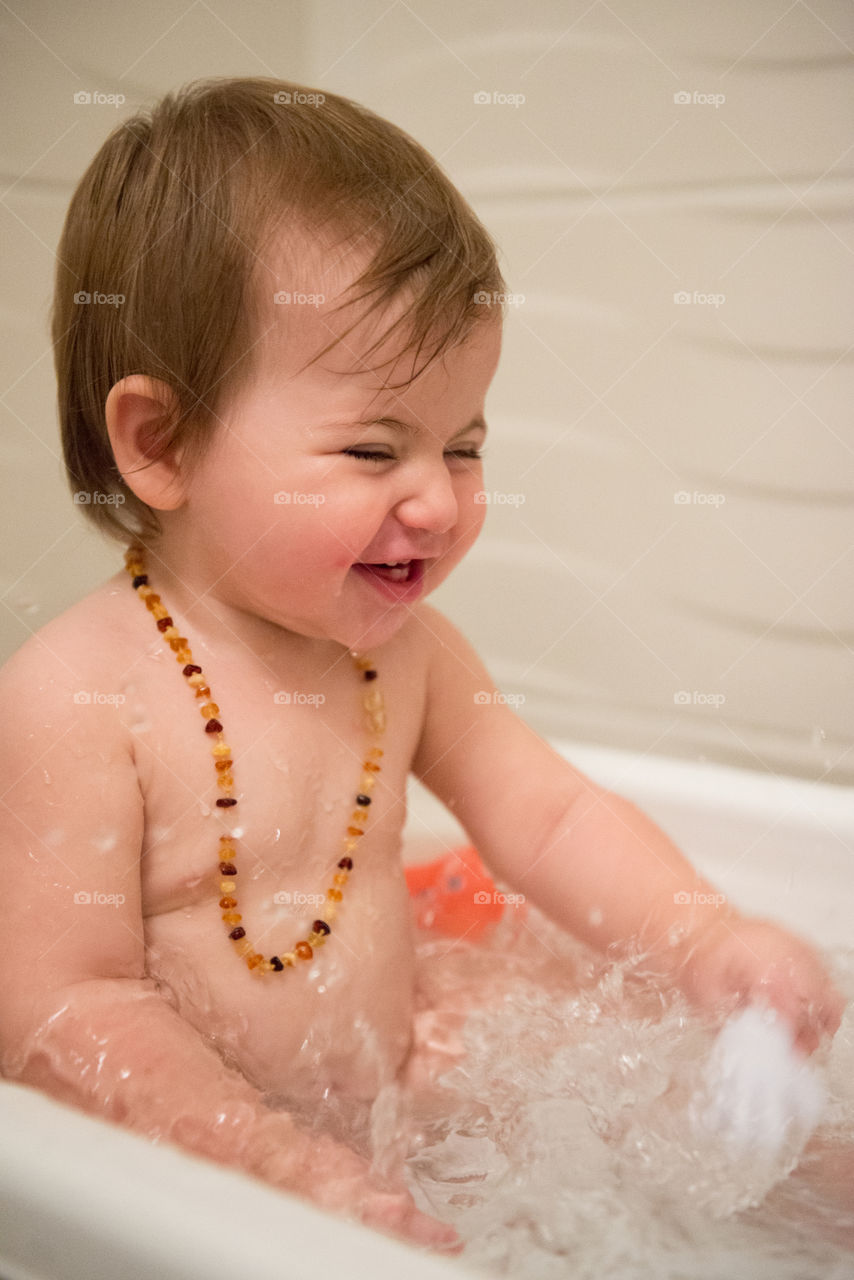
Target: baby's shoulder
<point>71,659</point>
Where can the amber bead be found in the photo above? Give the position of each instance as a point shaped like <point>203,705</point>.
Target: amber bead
<point>320,926</point>
<point>254,960</point>
<point>227,903</point>
<point>370,674</point>
<point>275,963</point>
<point>222,765</point>
<point>163,624</point>
<point>355,831</point>
<point>141,580</point>
<point>363,800</point>
<point>225,802</point>
<point>232,917</point>
<point>371,766</point>
<point>191,669</point>
<point>221,749</point>
<point>237,933</point>
<point>303,950</point>
<point>346,863</point>
<point>202,690</point>
<point>334,895</point>
<point>340,877</point>
<point>210,710</point>
<point>227,869</point>
<point>213,726</point>
<point>228,886</point>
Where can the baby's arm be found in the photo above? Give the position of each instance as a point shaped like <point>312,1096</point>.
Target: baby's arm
<point>79,1019</point>
<point>593,861</point>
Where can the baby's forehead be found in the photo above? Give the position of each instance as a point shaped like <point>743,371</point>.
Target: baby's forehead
<point>316,315</point>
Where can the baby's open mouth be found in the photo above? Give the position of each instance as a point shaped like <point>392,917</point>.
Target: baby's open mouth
<point>400,580</point>
<point>394,571</point>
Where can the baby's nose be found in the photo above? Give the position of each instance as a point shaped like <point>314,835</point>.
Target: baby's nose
<point>430,502</point>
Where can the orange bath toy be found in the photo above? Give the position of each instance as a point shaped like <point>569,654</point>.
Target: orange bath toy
<point>455,895</point>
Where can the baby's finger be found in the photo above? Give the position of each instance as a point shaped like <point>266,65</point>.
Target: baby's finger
<point>396,1212</point>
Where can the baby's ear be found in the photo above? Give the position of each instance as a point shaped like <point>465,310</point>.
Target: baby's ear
<point>139,410</point>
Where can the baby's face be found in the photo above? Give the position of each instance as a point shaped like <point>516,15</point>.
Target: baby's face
<point>321,472</point>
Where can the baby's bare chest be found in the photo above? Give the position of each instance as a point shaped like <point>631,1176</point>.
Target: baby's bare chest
<point>298,770</point>
<point>306,778</point>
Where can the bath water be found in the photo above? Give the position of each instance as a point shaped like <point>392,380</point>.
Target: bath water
<point>550,1112</point>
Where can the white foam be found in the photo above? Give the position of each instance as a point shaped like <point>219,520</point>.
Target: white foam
<point>762,1092</point>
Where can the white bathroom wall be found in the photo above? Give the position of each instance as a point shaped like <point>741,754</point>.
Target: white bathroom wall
<point>667,558</point>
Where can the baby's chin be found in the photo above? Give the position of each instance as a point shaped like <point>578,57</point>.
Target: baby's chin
<point>369,638</point>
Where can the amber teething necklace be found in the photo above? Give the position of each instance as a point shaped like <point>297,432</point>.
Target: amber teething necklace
<point>375,722</point>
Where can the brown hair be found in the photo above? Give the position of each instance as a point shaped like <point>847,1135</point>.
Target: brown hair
<point>163,235</point>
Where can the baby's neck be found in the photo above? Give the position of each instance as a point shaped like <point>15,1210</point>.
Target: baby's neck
<point>212,621</point>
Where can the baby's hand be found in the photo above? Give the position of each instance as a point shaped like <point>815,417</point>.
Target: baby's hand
<point>336,1178</point>
<point>742,961</point>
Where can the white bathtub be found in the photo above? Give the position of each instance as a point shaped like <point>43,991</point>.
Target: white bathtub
<point>83,1200</point>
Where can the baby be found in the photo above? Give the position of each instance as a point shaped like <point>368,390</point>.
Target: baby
<point>273,356</point>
